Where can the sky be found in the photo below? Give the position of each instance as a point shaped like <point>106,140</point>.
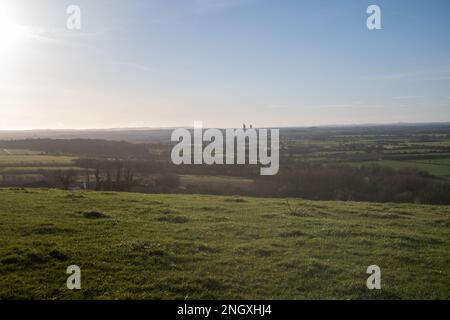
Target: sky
<point>271,63</point>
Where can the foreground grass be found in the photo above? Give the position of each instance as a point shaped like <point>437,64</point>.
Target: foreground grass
<point>217,182</point>
<point>209,247</point>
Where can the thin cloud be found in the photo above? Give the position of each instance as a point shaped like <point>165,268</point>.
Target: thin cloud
<point>407,97</point>
<point>57,35</point>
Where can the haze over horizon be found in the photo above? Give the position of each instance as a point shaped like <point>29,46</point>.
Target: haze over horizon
<point>154,64</point>
<point>226,127</point>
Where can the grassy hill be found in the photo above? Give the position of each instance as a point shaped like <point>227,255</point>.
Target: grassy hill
<point>208,247</point>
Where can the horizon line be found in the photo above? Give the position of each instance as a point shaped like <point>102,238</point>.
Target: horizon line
<point>254,127</point>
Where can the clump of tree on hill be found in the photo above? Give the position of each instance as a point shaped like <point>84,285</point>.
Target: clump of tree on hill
<point>346,183</point>
<point>81,147</point>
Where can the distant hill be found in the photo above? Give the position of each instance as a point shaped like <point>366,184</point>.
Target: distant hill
<point>162,135</point>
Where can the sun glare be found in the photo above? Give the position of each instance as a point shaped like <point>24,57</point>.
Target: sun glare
<point>12,34</point>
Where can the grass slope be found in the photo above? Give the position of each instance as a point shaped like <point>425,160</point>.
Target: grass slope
<point>188,247</point>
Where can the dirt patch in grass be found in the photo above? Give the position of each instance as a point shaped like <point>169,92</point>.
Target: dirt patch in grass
<point>58,255</point>
<point>293,234</point>
<point>174,219</point>
<point>235,199</point>
<point>94,215</point>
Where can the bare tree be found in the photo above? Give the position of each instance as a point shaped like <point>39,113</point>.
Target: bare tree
<point>118,182</point>
<point>88,179</point>
<point>67,178</point>
<point>98,179</point>
<point>128,178</point>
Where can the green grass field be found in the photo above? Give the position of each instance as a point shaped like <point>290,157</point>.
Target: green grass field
<point>210,247</point>
<point>26,165</point>
<point>34,160</point>
<point>19,170</point>
<point>4,151</point>
<point>437,167</point>
<point>23,177</point>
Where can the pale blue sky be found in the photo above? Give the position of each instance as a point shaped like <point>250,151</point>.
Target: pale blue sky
<point>224,62</point>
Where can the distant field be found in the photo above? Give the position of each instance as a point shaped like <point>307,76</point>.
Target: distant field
<point>27,166</point>
<point>441,162</point>
<point>437,167</point>
<point>36,168</point>
<point>4,151</point>
<point>34,160</point>
<point>210,247</point>
<point>24,177</point>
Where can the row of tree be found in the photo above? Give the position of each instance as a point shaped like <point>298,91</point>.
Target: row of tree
<point>371,183</point>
